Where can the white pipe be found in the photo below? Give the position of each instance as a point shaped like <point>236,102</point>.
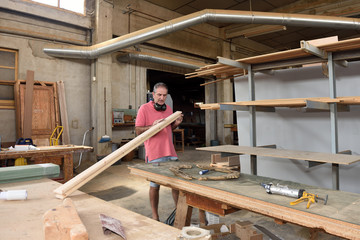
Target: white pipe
<point>13,195</point>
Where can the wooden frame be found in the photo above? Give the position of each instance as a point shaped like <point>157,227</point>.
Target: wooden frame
<point>10,104</point>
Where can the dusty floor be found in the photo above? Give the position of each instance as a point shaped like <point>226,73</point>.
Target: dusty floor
<point>117,186</point>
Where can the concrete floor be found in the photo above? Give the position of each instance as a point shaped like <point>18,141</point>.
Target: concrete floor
<point>117,186</point>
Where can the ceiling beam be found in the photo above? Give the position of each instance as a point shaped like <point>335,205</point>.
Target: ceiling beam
<point>254,31</point>
<point>343,8</point>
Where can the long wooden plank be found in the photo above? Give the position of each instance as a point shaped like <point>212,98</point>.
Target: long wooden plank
<point>75,183</point>
<point>290,102</point>
<point>287,154</point>
<point>63,112</point>
<point>240,196</point>
<point>28,106</point>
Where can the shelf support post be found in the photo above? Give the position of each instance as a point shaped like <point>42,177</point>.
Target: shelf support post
<point>252,112</point>
<point>333,121</point>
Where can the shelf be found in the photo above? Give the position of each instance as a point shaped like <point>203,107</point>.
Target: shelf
<point>320,102</point>
<point>343,159</point>
<point>299,53</point>
<point>129,124</point>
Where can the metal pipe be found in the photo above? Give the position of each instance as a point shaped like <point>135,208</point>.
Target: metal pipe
<point>204,16</point>
<point>126,57</point>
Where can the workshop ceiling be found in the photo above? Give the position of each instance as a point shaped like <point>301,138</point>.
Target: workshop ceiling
<point>274,37</point>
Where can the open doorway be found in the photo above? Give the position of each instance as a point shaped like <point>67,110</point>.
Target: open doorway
<point>184,93</point>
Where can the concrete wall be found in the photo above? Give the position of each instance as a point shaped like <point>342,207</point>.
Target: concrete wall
<point>295,130</point>
<point>75,74</point>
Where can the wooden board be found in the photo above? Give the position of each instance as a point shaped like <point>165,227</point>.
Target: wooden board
<point>43,113</point>
<point>75,183</point>
<point>288,154</point>
<point>63,113</point>
<point>286,102</point>
<point>339,217</point>
<point>28,105</point>
<point>41,198</point>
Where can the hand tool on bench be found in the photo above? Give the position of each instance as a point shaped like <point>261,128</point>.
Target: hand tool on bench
<point>300,194</point>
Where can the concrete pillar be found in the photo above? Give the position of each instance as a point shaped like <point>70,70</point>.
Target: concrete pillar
<point>101,103</point>
<point>225,94</point>
<point>210,115</point>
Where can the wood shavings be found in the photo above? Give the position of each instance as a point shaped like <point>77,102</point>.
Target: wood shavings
<point>231,174</point>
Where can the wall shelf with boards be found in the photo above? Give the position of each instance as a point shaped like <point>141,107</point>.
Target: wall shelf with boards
<point>328,55</point>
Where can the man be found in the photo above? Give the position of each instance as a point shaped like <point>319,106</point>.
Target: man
<point>160,147</point>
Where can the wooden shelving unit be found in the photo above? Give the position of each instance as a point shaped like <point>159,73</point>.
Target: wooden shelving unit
<point>338,52</point>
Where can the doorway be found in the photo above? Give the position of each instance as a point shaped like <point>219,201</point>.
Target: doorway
<point>184,93</point>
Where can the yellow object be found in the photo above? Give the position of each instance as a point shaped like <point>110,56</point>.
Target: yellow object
<point>311,198</point>
<point>55,140</point>
<point>20,162</point>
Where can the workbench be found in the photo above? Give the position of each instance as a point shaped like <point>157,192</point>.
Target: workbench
<point>340,217</point>
<point>23,219</point>
<point>64,152</point>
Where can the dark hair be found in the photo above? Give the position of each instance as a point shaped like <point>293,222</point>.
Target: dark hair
<point>159,84</point>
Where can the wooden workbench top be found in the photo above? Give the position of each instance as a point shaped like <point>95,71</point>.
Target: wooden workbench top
<point>23,219</point>
<point>45,151</point>
<point>340,217</point>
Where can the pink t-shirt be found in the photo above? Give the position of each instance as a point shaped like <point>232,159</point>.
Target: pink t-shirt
<point>161,144</point>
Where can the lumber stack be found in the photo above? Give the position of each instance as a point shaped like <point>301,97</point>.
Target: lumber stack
<point>224,72</point>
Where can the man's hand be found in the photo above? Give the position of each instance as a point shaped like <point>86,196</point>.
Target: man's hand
<point>157,121</point>
<point>177,122</point>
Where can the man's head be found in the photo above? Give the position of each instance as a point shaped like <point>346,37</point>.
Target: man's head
<point>160,93</point>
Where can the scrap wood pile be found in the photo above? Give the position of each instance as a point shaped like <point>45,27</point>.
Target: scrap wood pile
<point>230,173</point>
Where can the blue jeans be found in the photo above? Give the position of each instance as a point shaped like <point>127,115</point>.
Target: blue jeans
<point>156,163</point>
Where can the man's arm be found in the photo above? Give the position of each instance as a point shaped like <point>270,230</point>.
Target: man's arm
<point>139,130</point>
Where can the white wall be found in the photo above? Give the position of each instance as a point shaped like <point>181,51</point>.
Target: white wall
<point>295,130</point>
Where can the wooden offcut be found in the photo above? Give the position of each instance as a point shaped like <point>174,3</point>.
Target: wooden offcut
<point>64,223</point>
<point>75,183</point>
<point>246,231</point>
<point>287,154</point>
<point>63,112</point>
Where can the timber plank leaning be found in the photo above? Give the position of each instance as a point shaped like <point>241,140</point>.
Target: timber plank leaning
<point>287,154</point>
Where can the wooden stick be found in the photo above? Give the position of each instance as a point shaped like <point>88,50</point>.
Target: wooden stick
<point>63,112</point>
<point>75,183</point>
<point>28,105</point>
